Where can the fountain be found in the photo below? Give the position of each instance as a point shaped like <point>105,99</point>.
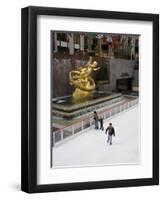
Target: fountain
<point>84,98</point>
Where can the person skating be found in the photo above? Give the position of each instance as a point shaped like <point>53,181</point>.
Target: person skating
<point>95,117</point>
<point>110,131</point>
<point>101,120</point>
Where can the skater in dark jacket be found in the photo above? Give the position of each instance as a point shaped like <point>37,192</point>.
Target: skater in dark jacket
<point>95,117</point>
<point>101,120</point>
<point>110,131</point>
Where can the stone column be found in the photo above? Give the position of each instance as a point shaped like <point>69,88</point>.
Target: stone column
<point>81,42</point>
<point>132,47</point>
<point>89,43</point>
<point>71,43</point>
<point>110,42</point>
<point>55,42</point>
<point>99,47</point>
<point>126,47</point>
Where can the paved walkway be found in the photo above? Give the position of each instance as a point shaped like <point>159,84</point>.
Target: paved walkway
<point>91,148</point>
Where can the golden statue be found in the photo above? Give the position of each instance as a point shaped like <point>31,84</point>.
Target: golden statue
<point>82,81</point>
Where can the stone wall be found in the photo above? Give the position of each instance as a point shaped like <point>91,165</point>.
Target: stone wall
<point>120,68</point>
<point>116,69</point>
<point>136,78</point>
<point>60,75</point>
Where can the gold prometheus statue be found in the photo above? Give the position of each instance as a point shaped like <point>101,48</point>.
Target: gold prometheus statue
<point>82,81</point>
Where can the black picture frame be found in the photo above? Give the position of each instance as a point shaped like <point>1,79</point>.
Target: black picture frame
<point>29,99</point>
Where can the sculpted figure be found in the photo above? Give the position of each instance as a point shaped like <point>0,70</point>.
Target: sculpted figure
<point>82,81</point>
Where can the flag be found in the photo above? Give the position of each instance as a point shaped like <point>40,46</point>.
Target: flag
<point>109,39</point>
<point>99,36</point>
<point>122,40</point>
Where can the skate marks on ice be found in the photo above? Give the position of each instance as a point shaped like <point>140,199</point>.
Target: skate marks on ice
<point>91,148</point>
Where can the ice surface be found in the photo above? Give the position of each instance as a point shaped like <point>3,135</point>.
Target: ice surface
<point>91,148</point>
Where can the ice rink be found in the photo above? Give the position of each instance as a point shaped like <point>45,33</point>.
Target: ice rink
<point>91,147</point>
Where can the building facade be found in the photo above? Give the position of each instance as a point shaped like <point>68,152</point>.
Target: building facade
<point>117,56</point>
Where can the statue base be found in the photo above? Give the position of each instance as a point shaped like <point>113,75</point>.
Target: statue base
<point>70,108</point>
<point>80,95</point>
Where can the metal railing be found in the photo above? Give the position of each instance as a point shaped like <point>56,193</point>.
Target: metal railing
<point>68,132</point>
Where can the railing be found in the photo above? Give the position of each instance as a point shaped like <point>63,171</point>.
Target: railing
<point>68,132</point>
<point>94,107</point>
